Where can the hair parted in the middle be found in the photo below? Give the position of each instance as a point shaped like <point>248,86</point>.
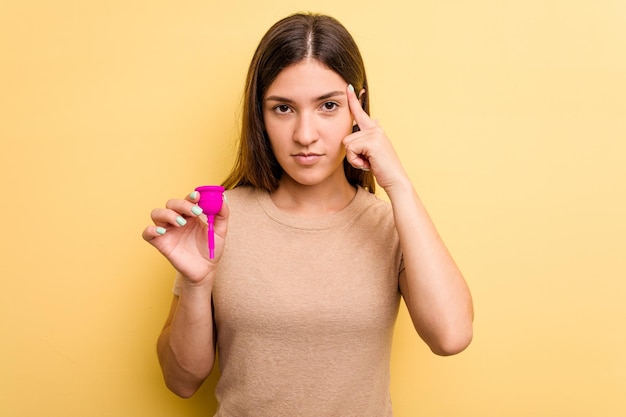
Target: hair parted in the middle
<point>289,41</point>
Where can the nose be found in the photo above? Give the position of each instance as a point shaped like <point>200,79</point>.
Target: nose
<point>305,132</point>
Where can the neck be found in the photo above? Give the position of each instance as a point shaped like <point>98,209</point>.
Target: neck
<point>312,200</point>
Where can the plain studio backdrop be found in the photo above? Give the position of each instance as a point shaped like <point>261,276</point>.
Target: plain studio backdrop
<point>510,117</point>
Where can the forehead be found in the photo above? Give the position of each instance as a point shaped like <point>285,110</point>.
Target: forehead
<point>308,78</point>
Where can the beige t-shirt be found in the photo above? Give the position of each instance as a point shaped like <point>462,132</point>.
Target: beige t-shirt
<point>305,309</point>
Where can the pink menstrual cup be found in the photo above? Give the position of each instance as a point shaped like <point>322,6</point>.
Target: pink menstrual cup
<point>211,198</point>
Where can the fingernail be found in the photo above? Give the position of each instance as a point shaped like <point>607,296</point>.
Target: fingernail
<point>181,221</point>
<point>365,169</point>
<point>350,87</point>
<point>225,198</point>
<point>160,230</point>
<point>193,195</point>
<point>196,210</point>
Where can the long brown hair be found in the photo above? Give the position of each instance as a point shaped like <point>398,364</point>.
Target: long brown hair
<point>289,41</point>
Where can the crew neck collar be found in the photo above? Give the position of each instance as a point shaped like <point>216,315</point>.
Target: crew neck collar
<point>326,221</point>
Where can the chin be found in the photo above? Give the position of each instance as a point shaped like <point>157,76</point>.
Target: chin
<point>303,179</point>
<point>314,175</point>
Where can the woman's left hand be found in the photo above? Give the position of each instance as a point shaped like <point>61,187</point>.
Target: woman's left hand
<point>433,288</point>
<point>370,149</point>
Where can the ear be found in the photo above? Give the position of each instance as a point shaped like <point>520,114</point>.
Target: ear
<point>361,97</point>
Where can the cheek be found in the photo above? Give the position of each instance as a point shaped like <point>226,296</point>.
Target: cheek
<point>338,130</point>
<point>275,132</point>
<point>340,124</point>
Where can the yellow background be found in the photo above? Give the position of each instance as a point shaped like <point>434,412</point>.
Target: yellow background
<point>510,116</point>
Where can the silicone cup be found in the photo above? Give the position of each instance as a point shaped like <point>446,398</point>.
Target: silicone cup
<point>211,199</point>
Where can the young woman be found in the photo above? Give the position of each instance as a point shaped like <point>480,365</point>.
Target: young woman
<point>302,295</point>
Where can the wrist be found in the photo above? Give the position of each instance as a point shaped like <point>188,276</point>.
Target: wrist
<point>203,287</point>
<point>401,186</point>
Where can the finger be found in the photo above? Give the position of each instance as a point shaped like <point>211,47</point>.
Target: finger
<point>152,232</point>
<point>168,217</point>
<point>221,219</point>
<point>194,196</point>
<point>224,210</point>
<point>185,207</point>
<point>356,160</point>
<point>361,118</point>
<point>357,152</point>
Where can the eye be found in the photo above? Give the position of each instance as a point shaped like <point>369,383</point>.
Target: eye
<point>282,108</point>
<point>330,106</point>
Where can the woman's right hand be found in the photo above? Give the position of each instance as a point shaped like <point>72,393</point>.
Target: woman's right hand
<point>180,234</point>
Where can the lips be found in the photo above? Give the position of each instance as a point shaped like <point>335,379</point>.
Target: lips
<point>303,158</point>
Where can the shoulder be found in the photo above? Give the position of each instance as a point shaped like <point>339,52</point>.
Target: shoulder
<point>373,214</point>
<point>373,205</point>
<point>376,231</point>
<point>242,193</point>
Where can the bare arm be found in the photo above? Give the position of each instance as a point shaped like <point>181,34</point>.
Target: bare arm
<point>186,346</point>
<point>435,292</point>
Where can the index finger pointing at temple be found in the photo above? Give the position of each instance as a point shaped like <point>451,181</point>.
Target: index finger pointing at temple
<point>360,116</point>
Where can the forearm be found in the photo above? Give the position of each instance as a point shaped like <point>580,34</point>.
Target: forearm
<point>186,346</point>
<point>434,289</point>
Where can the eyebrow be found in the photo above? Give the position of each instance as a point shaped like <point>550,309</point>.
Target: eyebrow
<point>320,98</point>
